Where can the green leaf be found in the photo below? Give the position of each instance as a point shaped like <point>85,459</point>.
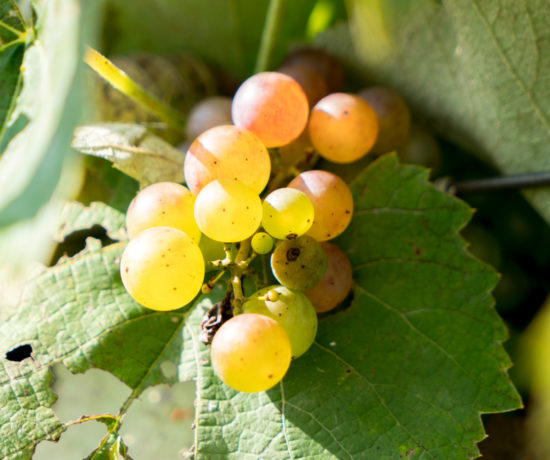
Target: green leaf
<point>410,365</point>
<point>79,314</point>
<point>132,149</point>
<point>224,32</point>
<point>406,370</point>
<point>51,99</point>
<point>13,37</point>
<point>474,70</point>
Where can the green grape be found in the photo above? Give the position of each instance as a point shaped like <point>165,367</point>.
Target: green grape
<point>162,268</point>
<point>332,201</point>
<point>393,115</point>
<point>262,243</point>
<point>228,211</point>
<point>211,249</point>
<point>342,127</point>
<point>292,310</point>
<point>335,284</point>
<point>273,106</point>
<point>164,204</point>
<point>250,352</point>
<point>287,213</point>
<point>321,62</point>
<point>210,112</point>
<point>227,152</point>
<point>299,263</point>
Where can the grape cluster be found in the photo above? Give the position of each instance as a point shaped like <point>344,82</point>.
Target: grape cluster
<point>252,193</point>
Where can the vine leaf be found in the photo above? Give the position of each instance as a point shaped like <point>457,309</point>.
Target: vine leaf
<point>412,363</point>
<point>473,70</point>
<point>132,149</point>
<point>79,314</point>
<point>406,370</point>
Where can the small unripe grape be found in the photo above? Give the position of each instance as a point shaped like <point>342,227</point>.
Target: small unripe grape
<point>162,268</point>
<point>332,201</point>
<point>342,127</point>
<point>251,352</point>
<point>210,112</point>
<point>287,213</point>
<point>273,106</point>
<point>228,211</point>
<point>292,310</point>
<point>226,152</point>
<point>164,204</point>
<point>393,115</point>
<point>262,243</point>
<point>335,284</point>
<point>299,264</point>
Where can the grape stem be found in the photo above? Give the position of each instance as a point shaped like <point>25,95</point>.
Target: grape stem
<point>271,28</point>
<point>123,83</point>
<point>238,269</point>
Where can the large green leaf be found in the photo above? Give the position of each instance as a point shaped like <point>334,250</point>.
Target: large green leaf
<point>475,70</point>
<point>407,369</point>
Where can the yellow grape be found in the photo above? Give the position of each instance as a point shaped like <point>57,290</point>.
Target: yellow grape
<point>292,310</point>
<point>162,268</point>
<point>164,204</point>
<point>332,201</point>
<point>228,211</point>
<point>227,152</point>
<point>287,213</point>
<point>273,106</point>
<point>342,127</point>
<point>250,352</point>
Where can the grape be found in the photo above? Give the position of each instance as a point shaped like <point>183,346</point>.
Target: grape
<point>227,152</point>
<point>342,127</point>
<point>299,264</point>
<point>164,204</point>
<point>211,250</point>
<point>228,211</point>
<point>262,243</point>
<point>335,284</point>
<point>322,63</point>
<point>273,106</point>
<point>312,83</point>
<point>292,310</point>
<point>210,112</point>
<point>332,201</point>
<point>421,148</point>
<point>250,352</point>
<point>298,151</point>
<point>162,268</point>
<point>287,213</point>
<point>394,117</point>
